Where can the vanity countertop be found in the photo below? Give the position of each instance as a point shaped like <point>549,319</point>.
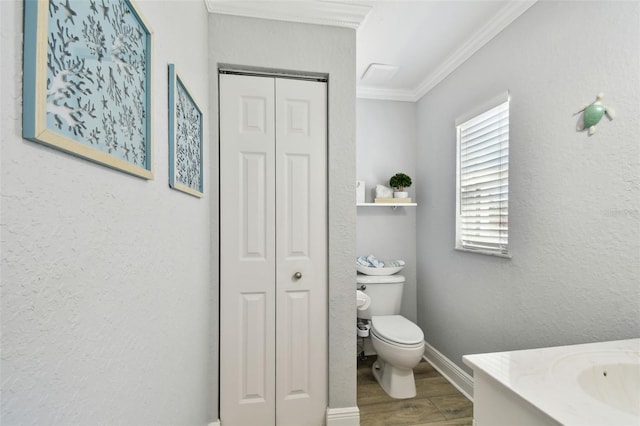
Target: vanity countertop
<point>593,383</point>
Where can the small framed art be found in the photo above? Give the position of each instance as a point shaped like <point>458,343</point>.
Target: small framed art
<point>87,81</point>
<point>185,138</point>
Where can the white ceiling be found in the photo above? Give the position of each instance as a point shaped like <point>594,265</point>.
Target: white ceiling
<point>425,39</point>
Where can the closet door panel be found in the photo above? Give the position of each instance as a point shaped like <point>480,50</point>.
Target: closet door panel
<point>254,230</point>
<point>296,207</point>
<point>296,375</point>
<point>252,382</point>
<point>301,235</point>
<point>247,255</point>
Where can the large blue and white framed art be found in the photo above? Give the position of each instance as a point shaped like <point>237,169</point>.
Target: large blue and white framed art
<point>185,138</point>
<point>87,81</point>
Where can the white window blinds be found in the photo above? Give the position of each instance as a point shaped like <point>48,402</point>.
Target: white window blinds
<point>482,223</point>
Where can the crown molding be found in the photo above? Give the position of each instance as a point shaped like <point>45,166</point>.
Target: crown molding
<point>505,17</point>
<point>385,94</point>
<point>308,12</point>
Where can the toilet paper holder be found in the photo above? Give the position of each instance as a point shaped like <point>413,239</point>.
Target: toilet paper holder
<point>363,328</point>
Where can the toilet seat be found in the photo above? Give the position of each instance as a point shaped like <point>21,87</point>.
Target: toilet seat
<point>397,330</point>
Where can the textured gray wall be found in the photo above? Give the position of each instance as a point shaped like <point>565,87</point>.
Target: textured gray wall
<point>574,208</point>
<point>105,276</point>
<point>386,145</point>
<point>320,49</point>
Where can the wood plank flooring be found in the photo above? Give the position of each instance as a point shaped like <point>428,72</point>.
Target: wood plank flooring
<point>437,403</point>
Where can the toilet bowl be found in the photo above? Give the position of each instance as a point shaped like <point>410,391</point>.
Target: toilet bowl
<point>399,344</point>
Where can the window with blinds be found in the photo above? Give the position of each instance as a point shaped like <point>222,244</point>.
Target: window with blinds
<point>482,222</point>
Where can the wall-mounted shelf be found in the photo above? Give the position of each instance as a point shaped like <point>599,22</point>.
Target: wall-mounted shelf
<point>392,205</point>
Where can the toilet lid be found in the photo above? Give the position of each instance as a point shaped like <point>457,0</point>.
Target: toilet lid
<point>396,328</point>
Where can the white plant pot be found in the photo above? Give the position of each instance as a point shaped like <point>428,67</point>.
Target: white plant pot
<point>403,194</point>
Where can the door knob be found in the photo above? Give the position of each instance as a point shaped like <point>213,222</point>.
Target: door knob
<point>297,275</point>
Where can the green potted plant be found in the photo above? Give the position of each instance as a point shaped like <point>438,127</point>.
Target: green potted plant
<point>400,181</point>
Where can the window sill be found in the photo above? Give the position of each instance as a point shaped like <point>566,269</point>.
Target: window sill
<point>486,253</point>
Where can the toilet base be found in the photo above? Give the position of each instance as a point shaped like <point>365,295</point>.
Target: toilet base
<point>396,382</point>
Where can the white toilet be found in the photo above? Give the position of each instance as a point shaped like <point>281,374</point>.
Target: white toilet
<point>398,342</point>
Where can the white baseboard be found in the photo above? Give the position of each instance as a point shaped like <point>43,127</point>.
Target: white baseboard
<point>349,416</point>
<point>454,374</point>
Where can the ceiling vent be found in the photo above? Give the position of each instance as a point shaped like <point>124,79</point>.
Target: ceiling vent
<point>379,73</point>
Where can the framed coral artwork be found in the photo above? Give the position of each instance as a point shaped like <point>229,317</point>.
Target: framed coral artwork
<point>185,138</point>
<point>87,81</point>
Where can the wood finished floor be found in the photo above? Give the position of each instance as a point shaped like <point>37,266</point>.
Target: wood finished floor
<point>437,403</point>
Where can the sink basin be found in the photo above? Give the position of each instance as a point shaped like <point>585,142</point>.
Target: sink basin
<point>617,385</point>
<point>610,377</point>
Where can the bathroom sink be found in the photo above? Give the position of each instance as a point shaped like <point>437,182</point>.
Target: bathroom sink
<point>611,377</point>
<point>617,385</point>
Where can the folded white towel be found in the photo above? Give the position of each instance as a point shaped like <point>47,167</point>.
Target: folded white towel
<point>370,261</point>
<point>395,263</point>
<point>363,261</point>
<point>383,192</point>
<point>375,262</point>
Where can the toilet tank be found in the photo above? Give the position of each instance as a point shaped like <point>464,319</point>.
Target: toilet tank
<point>385,292</point>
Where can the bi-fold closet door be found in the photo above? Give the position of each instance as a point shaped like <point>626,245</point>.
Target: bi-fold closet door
<point>273,251</point>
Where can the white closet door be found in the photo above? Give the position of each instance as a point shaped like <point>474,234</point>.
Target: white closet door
<point>273,213</point>
<point>247,252</point>
<point>301,248</point>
